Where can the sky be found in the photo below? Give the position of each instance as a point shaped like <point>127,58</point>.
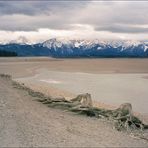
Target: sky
<point>37,21</point>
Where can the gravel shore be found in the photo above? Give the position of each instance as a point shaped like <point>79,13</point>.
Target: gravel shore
<point>25,122</point>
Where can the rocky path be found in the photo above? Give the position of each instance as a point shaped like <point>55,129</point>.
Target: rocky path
<point>25,122</point>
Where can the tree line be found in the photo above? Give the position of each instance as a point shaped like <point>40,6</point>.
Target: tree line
<point>4,53</point>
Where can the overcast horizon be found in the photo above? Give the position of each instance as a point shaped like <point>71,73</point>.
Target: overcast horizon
<point>38,21</point>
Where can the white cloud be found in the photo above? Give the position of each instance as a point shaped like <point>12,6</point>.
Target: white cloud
<point>104,20</point>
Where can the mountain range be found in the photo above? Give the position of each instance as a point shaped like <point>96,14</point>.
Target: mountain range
<point>70,48</point>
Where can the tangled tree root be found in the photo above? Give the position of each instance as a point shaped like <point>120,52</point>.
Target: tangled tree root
<point>125,118</point>
<point>122,117</point>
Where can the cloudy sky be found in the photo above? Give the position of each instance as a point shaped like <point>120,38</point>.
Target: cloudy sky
<point>40,20</point>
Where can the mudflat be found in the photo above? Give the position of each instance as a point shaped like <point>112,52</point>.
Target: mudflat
<point>27,65</point>
<point>110,81</point>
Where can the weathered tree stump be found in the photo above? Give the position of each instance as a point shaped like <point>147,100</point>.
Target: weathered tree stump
<point>124,110</point>
<point>83,100</point>
<point>125,119</point>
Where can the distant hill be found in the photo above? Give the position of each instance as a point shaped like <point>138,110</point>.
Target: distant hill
<point>64,48</point>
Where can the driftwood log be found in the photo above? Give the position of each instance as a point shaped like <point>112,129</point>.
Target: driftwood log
<point>122,117</point>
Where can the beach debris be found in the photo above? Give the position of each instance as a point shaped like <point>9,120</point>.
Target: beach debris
<point>125,119</point>
<point>83,100</point>
<point>122,117</point>
<point>5,76</point>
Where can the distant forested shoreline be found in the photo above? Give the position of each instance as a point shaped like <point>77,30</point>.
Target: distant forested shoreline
<point>4,53</point>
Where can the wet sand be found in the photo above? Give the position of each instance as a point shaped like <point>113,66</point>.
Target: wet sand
<point>20,67</point>
<point>118,80</point>
<point>113,89</point>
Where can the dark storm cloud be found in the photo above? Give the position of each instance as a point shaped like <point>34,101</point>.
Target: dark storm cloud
<point>29,15</point>
<point>35,7</point>
<point>24,7</point>
<point>63,15</point>
<point>122,29</point>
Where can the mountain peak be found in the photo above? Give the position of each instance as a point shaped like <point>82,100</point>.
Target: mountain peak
<point>63,47</point>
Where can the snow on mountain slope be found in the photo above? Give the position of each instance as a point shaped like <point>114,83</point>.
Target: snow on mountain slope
<point>63,47</point>
<point>56,43</point>
<point>66,47</point>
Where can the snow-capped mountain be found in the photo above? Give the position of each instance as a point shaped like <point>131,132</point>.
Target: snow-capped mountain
<point>59,47</point>
<point>87,44</point>
<point>96,48</point>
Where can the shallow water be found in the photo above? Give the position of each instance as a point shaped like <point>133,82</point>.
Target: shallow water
<point>107,88</point>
